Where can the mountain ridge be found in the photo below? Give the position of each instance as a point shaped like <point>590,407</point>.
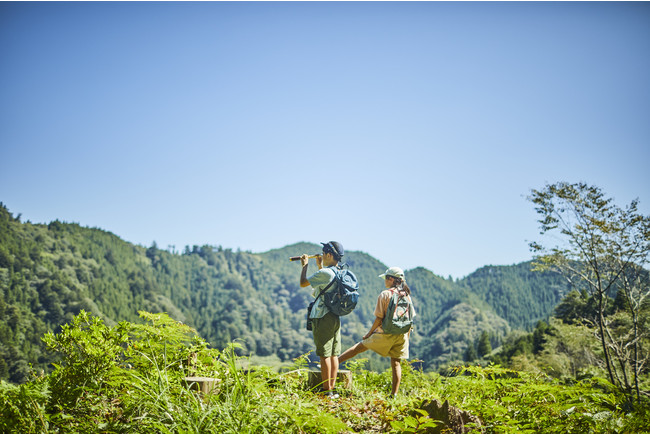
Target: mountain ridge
<point>48,273</point>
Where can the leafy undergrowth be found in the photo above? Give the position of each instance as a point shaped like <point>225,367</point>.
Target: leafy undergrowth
<point>130,378</point>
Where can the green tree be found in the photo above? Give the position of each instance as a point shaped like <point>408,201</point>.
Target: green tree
<point>599,248</point>
<point>539,336</point>
<point>470,353</point>
<point>484,347</point>
<point>633,291</point>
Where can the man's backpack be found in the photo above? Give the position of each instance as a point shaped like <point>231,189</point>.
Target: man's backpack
<point>399,315</point>
<point>342,299</point>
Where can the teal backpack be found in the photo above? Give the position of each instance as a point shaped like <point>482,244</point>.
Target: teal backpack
<point>342,299</point>
<point>399,315</point>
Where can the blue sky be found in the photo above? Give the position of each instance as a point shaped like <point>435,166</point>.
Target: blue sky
<point>410,131</point>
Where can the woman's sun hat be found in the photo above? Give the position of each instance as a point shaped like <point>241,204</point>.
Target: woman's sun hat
<point>393,272</point>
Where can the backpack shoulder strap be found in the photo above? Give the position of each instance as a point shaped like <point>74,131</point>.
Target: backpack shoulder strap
<point>395,295</point>
<point>324,290</point>
<point>392,301</point>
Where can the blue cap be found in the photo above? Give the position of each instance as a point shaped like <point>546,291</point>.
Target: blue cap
<point>333,247</point>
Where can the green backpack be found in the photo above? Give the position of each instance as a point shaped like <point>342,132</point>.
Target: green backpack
<point>399,315</point>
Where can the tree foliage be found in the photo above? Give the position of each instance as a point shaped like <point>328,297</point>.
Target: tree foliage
<point>484,347</point>
<point>602,250</point>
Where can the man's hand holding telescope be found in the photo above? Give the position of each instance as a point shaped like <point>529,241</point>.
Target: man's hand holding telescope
<point>297,258</point>
<point>304,260</point>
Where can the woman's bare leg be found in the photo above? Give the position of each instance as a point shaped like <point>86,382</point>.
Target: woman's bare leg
<point>396,367</point>
<point>352,351</point>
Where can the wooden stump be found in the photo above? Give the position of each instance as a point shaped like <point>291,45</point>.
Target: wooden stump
<point>343,379</point>
<point>203,385</point>
<point>452,419</point>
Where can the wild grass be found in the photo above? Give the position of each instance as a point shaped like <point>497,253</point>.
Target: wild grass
<point>131,379</point>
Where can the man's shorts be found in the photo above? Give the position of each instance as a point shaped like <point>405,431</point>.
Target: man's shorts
<point>327,335</point>
<point>393,346</point>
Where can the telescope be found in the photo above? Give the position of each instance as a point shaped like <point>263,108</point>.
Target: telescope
<point>297,258</point>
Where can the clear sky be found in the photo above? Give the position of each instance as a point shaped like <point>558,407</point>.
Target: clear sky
<point>410,131</point>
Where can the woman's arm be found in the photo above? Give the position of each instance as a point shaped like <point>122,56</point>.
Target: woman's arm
<point>375,326</point>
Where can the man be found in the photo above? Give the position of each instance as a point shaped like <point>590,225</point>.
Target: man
<point>326,326</point>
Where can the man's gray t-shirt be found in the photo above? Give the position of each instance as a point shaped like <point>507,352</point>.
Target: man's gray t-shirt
<point>318,281</point>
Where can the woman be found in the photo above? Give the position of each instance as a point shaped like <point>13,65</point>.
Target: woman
<point>395,346</point>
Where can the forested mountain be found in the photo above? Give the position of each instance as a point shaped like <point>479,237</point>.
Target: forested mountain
<point>501,288</point>
<point>48,273</point>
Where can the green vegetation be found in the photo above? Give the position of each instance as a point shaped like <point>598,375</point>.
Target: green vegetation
<point>130,377</point>
<point>49,273</point>
<point>561,344</point>
<point>603,250</point>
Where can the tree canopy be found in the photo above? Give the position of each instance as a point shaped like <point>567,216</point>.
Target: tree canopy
<point>603,251</point>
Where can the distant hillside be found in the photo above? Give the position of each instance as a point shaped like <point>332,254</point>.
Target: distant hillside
<point>48,273</point>
<point>516,294</point>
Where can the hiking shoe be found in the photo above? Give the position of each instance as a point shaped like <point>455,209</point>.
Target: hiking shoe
<point>332,395</point>
<point>329,394</point>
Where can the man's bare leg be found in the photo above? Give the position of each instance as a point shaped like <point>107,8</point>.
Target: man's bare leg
<point>329,367</point>
<point>334,369</point>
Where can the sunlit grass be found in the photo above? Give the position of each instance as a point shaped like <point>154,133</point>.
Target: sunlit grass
<point>138,386</point>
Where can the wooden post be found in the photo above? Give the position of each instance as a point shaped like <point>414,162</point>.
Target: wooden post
<point>343,379</point>
<point>203,385</point>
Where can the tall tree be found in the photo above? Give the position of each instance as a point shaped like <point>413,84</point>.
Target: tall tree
<point>484,346</point>
<point>470,353</point>
<point>600,248</point>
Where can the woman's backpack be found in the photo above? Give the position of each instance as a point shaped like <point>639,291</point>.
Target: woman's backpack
<point>399,315</point>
